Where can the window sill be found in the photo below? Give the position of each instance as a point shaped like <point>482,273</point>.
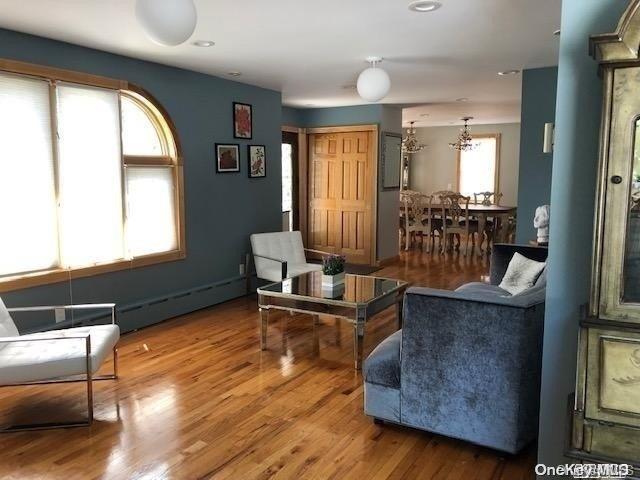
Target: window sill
<point>58,275</point>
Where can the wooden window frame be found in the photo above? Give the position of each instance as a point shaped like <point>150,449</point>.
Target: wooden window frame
<point>496,180</point>
<point>171,158</point>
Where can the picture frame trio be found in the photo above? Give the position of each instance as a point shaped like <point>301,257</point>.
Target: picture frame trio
<point>228,154</point>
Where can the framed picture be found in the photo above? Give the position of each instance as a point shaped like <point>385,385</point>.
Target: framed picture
<point>257,161</point>
<point>227,158</point>
<point>242,120</point>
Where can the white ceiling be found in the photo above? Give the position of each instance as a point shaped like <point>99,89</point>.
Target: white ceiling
<point>312,51</point>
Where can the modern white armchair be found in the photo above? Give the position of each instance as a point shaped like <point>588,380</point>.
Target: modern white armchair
<point>281,255</point>
<point>56,356</point>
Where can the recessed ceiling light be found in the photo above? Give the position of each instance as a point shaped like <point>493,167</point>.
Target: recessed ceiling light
<point>423,6</point>
<point>204,43</point>
<point>235,74</point>
<point>509,72</point>
<point>463,99</point>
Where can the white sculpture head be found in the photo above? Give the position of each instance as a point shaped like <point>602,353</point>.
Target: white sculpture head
<point>541,222</point>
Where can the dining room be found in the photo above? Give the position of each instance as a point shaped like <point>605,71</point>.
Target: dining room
<point>472,173</point>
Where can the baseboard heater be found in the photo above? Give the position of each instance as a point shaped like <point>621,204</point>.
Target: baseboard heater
<point>149,311</point>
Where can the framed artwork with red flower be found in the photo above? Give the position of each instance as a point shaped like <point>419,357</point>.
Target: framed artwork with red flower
<point>257,161</point>
<point>227,158</point>
<point>242,120</point>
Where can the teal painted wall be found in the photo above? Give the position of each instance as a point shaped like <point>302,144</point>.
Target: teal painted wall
<point>572,200</point>
<point>389,119</point>
<point>534,180</point>
<point>221,209</point>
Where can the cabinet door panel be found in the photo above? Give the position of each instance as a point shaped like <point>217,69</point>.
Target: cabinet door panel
<point>620,272</point>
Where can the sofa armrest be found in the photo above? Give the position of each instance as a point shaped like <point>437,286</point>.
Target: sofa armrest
<point>518,301</point>
<point>470,367</point>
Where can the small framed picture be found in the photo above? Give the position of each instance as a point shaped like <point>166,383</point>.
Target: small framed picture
<point>257,161</point>
<point>227,158</point>
<point>242,120</point>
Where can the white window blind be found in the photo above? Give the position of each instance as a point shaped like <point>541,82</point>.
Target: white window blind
<point>478,167</point>
<point>139,135</point>
<point>90,166</point>
<point>151,226</point>
<point>28,236</point>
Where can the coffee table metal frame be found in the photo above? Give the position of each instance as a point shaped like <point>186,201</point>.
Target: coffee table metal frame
<point>356,313</point>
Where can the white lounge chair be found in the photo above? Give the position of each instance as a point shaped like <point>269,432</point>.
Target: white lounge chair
<point>281,255</point>
<point>56,356</point>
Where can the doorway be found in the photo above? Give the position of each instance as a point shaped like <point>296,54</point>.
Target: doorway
<point>290,155</point>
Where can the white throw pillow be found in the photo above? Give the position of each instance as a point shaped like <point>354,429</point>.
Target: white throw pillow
<point>522,274</point>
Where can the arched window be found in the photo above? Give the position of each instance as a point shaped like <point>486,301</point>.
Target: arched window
<point>90,177</point>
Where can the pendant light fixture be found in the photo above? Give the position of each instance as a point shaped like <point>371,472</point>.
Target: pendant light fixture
<point>464,143</point>
<point>373,83</point>
<point>410,142</point>
<point>167,22</point>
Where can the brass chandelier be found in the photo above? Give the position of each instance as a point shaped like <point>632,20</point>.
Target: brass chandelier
<point>464,143</point>
<point>410,142</point>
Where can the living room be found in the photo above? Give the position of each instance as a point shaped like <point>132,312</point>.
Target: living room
<point>179,304</point>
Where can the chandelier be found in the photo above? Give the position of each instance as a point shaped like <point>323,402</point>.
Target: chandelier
<point>410,142</point>
<point>464,143</point>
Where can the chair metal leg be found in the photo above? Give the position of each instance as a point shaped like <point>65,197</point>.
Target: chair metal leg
<point>89,379</point>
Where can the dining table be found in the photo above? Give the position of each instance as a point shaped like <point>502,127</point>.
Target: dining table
<point>482,213</point>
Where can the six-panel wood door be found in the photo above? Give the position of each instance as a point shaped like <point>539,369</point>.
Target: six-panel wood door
<point>341,175</point>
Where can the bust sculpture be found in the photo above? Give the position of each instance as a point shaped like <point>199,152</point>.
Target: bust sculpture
<point>541,222</point>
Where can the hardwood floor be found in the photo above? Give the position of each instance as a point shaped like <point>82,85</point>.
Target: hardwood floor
<point>196,398</point>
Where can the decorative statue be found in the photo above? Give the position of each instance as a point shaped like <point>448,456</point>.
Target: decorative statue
<point>541,222</point>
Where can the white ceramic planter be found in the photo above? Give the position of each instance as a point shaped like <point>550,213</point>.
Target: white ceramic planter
<point>329,281</point>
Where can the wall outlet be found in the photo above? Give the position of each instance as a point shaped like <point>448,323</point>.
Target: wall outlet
<point>60,314</point>
<point>241,269</point>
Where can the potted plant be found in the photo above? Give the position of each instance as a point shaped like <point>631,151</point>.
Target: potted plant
<point>333,270</point>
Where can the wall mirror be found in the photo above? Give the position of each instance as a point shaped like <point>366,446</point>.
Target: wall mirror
<point>391,160</point>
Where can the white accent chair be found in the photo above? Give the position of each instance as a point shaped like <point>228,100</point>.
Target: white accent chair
<point>56,356</point>
<point>281,255</point>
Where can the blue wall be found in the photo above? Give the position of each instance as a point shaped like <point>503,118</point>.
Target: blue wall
<point>534,180</point>
<point>221,209</point>
<point>389,119</point>
<point>572,200</point>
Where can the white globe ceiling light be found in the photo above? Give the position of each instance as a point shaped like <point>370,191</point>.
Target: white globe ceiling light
<point>167,22</point>
<point>373,83</point>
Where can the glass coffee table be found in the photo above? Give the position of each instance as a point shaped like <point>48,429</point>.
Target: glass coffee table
<point>359,299</point>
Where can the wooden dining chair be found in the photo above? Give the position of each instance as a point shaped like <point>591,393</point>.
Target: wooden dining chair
<point>457,221</point>
<point>415,219</point>
<point>487,198</point>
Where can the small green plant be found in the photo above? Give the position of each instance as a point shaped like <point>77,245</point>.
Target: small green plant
<point>333,264</point>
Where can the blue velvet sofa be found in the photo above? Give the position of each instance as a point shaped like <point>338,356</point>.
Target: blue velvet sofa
<point>466,364</point>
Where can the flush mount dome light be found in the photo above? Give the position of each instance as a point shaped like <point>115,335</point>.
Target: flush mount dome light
<point>167,22</point>
<point>204,43</point>
<point>423,6</point>
<point>508,72</point>
<point>373,83</point>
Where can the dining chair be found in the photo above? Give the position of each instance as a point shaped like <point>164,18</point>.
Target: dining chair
<point>487,198</point>
<point>414,206</point>
<point>457,221</point>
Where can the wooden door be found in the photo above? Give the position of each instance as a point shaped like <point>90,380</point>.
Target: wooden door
<point>341,194</point>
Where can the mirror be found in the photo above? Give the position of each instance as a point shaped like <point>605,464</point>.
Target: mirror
<point>391,160</point>
<point>632,255</point>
